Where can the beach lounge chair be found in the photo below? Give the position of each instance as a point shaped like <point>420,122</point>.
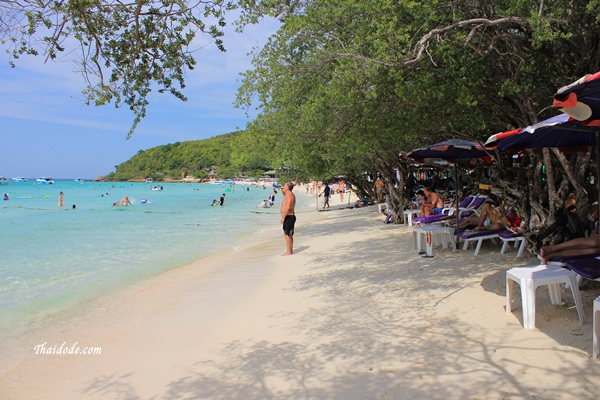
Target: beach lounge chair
<point>477,236</point>
<point>445,212</point>
<point>474,207</point>
<point>473,204</point>
<point>507,237</point>
<point>586,267</point>
<point>562,261</point>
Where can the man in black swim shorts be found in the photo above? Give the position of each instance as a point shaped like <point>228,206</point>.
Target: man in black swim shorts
<point>288,218</point>
<point>288,225</point>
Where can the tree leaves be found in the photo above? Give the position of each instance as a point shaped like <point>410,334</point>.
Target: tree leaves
<point>123,50</point>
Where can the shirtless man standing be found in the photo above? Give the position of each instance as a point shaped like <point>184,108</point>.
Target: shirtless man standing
<point>379,186</point>
<point>288,219</point>
<point>125,201</point>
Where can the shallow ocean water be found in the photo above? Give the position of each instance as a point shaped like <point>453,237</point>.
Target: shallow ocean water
<point>55,258</point>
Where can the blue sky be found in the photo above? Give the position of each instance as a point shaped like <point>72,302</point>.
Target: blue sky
<point>47,130</point>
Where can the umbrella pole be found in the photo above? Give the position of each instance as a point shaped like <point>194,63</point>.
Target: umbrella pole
<point>456,191</point>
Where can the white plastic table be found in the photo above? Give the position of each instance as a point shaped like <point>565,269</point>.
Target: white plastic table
<point>434,234</point>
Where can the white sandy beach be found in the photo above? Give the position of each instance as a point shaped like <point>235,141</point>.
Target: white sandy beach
<point>356,313</point>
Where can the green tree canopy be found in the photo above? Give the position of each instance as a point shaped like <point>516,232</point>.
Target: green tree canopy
<point>379,78</point>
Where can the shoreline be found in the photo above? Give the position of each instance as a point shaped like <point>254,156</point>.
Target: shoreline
<point>24,316</point>
<point>59,318</point>
<point>355,313</point>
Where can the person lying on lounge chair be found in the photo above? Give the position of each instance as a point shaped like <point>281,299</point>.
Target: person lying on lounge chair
<point>497,221</point>
<point>516,224</point>
<point>573,247</point>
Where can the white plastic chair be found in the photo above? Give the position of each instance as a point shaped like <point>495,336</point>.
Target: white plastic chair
<point>529,278</point>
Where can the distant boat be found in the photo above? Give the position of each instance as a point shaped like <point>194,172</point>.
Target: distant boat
<point>3,181</point>
<point>19,179</point>
<point>45,180</point>
<point>79,180</point>
<point>149,180</point>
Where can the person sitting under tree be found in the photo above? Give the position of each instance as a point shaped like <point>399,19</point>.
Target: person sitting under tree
<point>433,204</point>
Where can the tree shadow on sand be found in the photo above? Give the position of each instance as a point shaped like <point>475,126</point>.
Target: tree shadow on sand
<point>353,345</point>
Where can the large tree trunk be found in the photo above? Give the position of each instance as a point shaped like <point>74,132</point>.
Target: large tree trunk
<point>538,192</point>
<point>398,199</point>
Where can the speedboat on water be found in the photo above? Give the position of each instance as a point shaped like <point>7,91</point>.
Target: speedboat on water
<point>3,181</point>
<point>149,180</point>
<point>19,179</point>
<point>79,180</point>
<point>45,180</point>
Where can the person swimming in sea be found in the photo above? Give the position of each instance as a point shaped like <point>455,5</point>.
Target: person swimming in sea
<point>125,201</point>
<point>265,204</point>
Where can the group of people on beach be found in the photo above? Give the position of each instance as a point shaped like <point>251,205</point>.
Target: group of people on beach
<point>575,237</point>
<point>490,218</point>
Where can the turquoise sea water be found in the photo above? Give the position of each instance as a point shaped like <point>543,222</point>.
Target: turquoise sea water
<point>54,258</point>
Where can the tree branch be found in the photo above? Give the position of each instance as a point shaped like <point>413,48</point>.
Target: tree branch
<point>421,45</point>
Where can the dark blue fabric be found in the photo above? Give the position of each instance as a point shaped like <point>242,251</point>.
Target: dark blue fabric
<point>450,150</point>
<point>587,267</point>
<point>563,135</point>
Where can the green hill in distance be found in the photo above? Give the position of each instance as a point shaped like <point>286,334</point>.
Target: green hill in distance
<point>191,160</point>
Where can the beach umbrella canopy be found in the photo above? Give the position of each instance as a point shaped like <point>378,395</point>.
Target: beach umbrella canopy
<point>560,131</point>
<point>581,101</point>
<point>452,150</point>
